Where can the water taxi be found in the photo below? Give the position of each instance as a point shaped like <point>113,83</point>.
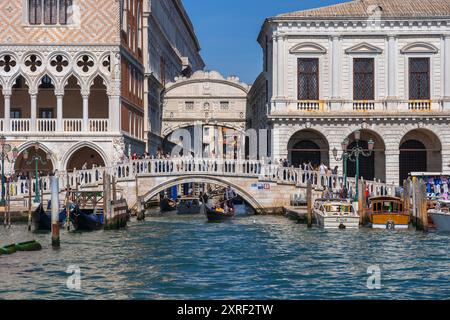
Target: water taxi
<point>335,214</point>
<point>388,213</point>
<point>440,215</point>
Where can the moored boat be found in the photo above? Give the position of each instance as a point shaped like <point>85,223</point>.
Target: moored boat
<point>335,214</point>
<point>388,213</point>
<point>440,215</point>
<point>87,219</point>
<point>42,219</point>
<point>188,205</point>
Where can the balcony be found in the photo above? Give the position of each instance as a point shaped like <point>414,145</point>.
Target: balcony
<point>51,125</point>
<point>298,107</point>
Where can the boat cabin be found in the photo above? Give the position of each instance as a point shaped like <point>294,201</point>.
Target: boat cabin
<point>381,205</point>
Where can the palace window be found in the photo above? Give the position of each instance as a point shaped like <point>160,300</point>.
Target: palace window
<point>308,79</point>
<point>419,79</point>
<point>50,12</point>
<point>363,79</point>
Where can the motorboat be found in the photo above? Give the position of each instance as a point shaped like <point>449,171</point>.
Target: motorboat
<point>335,214</point>
<point>388,213</point>
<point>440,215</point>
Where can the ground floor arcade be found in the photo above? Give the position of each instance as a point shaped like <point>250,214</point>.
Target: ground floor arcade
<point>401,146</point>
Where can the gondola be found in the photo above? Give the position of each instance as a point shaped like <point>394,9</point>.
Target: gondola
<point>87,220</point>
<point>167,205</point>
<point>43,219</point>
<point>217,214</point>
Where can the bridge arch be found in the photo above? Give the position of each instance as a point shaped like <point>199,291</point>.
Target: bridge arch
<point>220,181</point>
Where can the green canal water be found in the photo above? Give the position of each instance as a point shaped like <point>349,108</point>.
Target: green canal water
<point>248,257</point>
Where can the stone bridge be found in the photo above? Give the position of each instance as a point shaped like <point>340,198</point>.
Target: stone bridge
<point>266,187</point>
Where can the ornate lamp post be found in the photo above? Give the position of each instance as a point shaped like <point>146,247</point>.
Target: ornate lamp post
<point>5,149</point>
<point>353,155</point>
<point>36,159</point>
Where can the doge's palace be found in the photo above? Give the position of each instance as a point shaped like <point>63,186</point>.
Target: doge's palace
<point>62,81</point>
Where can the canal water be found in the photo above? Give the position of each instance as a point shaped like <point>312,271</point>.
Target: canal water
<point>249,257</point>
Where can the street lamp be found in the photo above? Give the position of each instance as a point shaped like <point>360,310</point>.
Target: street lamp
<point>5,149</point>
<point>36,159</point>
<point>353,155</point>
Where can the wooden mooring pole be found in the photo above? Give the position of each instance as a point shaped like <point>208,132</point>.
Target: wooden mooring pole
<point>309,203</point>
<point>55,211</point>
<point>68,202</point>
<point>423,206</point>
<point>407,196</point>
<point>30,186</point>
<point>361,201</point>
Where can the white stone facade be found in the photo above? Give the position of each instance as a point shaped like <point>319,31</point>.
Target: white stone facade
<point>207,99</point>
<point>392,119</point>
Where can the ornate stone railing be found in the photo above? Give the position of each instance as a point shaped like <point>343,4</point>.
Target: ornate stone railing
<point>419,105</point>
<point>253,169</point>
<point>20,125</point>
<point>50,125</point>
<point>73,125</point>
<point>46,125</point>
<point>98,125</point>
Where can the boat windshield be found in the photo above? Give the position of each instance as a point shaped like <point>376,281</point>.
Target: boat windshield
<point>387,206</point>
<point>339,208</point>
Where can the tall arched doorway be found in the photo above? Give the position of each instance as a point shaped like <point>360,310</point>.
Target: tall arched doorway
<point>371,167</point>
<point>24,166</point>
<point>85,158</point>
<point>308,146</point>
<point>420,151</point>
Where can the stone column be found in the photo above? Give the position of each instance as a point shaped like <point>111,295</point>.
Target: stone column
<point>114,113</point>
<point>335,67</point>
<point>59,111</point>
<point>280,68</point>
<point>447,72</point>
<point>275,93</point>
<point>393,166</point>
<point>7,117</point>
<point>33,115</point>
<point>392,67</point>
<point>85,111</point>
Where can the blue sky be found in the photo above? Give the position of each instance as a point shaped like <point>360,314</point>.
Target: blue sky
<point>227,31</point>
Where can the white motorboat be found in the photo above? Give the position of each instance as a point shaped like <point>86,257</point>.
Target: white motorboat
<point>441,215</point>
<point>335,214</point>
